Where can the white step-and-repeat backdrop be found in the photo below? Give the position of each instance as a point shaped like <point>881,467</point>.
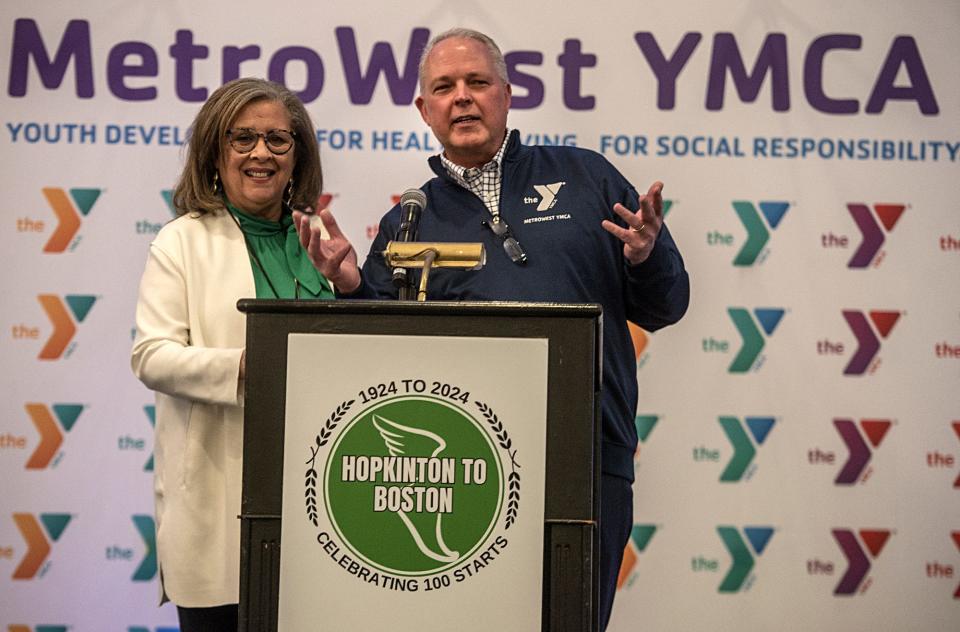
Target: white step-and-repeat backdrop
<point>800,428</point>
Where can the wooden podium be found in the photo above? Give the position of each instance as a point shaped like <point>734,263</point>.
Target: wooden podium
<point>493,344</point>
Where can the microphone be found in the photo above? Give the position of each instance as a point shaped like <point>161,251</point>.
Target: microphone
<point>412,203</point>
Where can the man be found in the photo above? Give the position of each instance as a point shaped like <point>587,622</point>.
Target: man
<point>557,225</point>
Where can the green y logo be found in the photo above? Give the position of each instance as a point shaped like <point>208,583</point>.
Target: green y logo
<point>151,411</point>
<point>743,560</point>
<point>167,195</point>
<point>753,340</point>
<point>757,233</point>
<point>148,567</point>
<point>743,449</point>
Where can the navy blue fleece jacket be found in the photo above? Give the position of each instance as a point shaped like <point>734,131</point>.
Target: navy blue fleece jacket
<point>571,259</point>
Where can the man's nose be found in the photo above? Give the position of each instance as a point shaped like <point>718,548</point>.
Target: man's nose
<point>461,93</point>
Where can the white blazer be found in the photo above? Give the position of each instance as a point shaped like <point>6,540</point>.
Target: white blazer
<point>189,341</point>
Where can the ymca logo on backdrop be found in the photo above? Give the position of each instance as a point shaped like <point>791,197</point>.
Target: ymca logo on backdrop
<point>859,441</point>
<point>939,569</point>
<point>645,425</point>
<point>859,548</point>
<point>119,553</point>
<point>147,569</point>
<point>40,628</point>
<point>757,231</point>
<point>640,537</point>
<point>64,314</point>
<point>869,329</point>
<point>754,329</point>
<point>167,195</point>
<point>744,448</point>
<point>51,426</point>
<point>415,491</point>
<point>38,536</point>
<point>758,220</point>
<point>151,412</point>
<point>872,224</point>
<point>742,556</point>
<point>956,430</point>
<point>955,536</point>
<point>640,340</point>
<point>69,210</point>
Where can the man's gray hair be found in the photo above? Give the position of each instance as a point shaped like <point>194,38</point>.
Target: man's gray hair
<point>495,55</point>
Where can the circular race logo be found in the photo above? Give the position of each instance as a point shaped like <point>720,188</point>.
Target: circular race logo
<point>413,485</point>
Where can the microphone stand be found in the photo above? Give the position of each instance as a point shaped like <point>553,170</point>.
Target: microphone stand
<point>401,277</point>
<point>406,291</point>
<point>412,203</point>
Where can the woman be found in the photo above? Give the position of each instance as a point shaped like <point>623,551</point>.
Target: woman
<point>252,157</point>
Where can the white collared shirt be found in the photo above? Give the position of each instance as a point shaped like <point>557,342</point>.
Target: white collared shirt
<point>484,182</point>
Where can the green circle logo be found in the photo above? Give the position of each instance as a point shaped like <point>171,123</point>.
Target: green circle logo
<point>413,485</point>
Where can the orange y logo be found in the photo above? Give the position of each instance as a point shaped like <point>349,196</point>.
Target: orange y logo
<point>50,436</point>
<point>38,546</point>
<point>639,338</point>
<point>63,327</point>
<point>67,217</point>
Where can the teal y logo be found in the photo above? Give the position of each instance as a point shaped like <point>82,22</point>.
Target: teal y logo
<point>753,340</point>
<point>757,233</point>
<point>645,425</point>
<point>151,412</point>
<point>743,447</point>
<point>738,577</point>
<point>167,195</point>
<point>148,566</point>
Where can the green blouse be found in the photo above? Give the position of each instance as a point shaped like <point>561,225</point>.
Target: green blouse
<point>286,270</point>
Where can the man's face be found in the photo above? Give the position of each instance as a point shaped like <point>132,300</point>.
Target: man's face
<point>464,101</point>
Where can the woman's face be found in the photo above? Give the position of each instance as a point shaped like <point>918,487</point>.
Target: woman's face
<point>254,181</point>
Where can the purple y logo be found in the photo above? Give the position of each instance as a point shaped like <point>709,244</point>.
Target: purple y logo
<point>873,236</point>
<point>867,341</point>
<point>874,430</point>
<point>858,563</point>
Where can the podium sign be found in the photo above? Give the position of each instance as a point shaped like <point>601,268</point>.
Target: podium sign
<point>413,483</point>
<point>427,466</point>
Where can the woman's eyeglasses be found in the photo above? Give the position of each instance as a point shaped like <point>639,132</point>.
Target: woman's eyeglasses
<point>244,139</point>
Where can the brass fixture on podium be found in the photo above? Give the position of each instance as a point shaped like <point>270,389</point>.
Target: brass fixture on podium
<point>427,255</point>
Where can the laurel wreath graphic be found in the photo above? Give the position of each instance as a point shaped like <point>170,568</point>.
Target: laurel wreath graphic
<point>513,479</point>
<point>321,440</point>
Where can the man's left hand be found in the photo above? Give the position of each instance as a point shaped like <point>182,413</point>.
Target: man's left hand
<point>642,227</point>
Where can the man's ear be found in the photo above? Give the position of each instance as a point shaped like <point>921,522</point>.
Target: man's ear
<point>422,107</point>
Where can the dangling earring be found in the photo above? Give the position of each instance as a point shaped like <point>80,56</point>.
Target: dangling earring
<point>216,181</point>
<point>289,196</point>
